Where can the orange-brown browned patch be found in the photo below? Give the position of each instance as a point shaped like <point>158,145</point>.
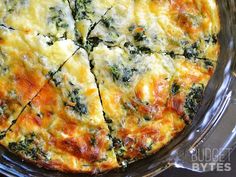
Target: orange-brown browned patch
<point>27,83</point>
<point>47,96</point>
<point>1,41</point>
<point>176,103</point>
<point>79,148</point>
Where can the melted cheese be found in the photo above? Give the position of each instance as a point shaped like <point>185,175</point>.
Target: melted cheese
<point>67,116</point>
<point>136,108</point>
<point>45,17</point>
<point>151,60</point>
<point>26,61</point>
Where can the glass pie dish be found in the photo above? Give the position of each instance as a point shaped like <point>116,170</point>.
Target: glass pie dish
<point>214,127</point>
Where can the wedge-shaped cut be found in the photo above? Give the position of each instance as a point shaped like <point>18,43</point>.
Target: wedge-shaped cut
<point>107,21</point>
<point>176,27</point>
<point>134,93</point>
<point>66,123</point>
<point>26,63</point>
<point>51,17</point>
<point>116,22</point>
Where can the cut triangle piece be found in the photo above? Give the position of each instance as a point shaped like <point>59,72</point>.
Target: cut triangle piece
<point>26,64</point>
<point>134,94</point>
<point>52,18</point>
<point>65,124</point>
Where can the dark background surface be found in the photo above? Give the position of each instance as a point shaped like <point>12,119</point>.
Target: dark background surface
<point>173,172</point>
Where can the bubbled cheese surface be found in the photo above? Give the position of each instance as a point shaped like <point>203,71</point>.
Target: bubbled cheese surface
<point>92,85</point>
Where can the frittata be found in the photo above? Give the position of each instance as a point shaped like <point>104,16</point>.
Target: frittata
<point>88,86</point>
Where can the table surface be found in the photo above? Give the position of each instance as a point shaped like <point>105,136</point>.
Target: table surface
<point>173,172</point>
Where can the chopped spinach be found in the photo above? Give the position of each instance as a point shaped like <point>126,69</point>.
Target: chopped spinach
<point>93,141</point>
<point>139,36</point>
<point>56,79</point>
<point>137,50</point>
<point>193,99</point>
<point>147,118</point>
<point>108,120</point>
<point>172,54</point>
<point>143,151</point>
<point>145,50</point>
<point>127,74</point>
<point>4,69</point>
<point>11,5</point>
<point>117,143</point>
<point>211,39</point>
<point>208,63</point>
<point>2,134</point>
<point>138,32</point>
<point>191,52</point>
<point>92,42</point>
<point>107,22</point>
<point>115,71</point>
<point>131,28</point>
<point>81,10</point>
<point>122,73</point>
<point>57,16</point>
<point>53,38</point>
<point>175,88</point>
<point>76,98</point>
<point>131,48</point>
<point>29,147</point>
<point>121,151</point>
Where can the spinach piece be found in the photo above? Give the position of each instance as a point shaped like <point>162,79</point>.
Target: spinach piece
<point>131,48</point>
<point>2,134</point>
<point>127,74</point>
<point>193,99</point>
<point>115,71</point>
<point>122,73</point>
<point>131,28</point>
<point>191,52</point>
<point>211,39</point>
<point>82,10</point>
<point>29,148</point>
<point>11,5</point>
<point>58,17</point>
<point>108,120</point>
<point>76,98</point>
<point>208,63</point>
<point>175,88</point>
<point>172,54</point>
<point>140,36</point>
<point>119,145</point>
<point>145,50</point>
<point>57,81</point>
<point>53,38</point>
<point>137,50</point>
<point>147,118</point>
<point>4,69</point>
<point>107,22</point>
<point>93,141</point>
<point>138,32</point>
<point>92,42</point>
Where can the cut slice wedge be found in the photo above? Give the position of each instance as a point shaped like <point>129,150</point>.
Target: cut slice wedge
<point>134,94</point>
<point>26,63</point>
<point>65,124</point>
<point>52,18</point>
